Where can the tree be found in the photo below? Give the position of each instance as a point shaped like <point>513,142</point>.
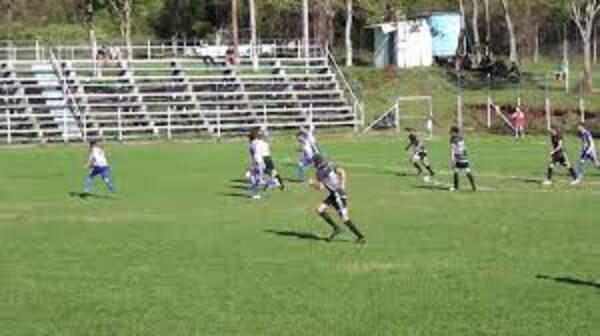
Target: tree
<point>476,39</point>
<point>349,14</point>
<point>514,56</point>
<point>122,10</point>
<point>305,28</point>
<point>584,13</point>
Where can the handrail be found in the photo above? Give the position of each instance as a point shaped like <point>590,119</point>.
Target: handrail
<point>75,110</point>
<point>356,102</point>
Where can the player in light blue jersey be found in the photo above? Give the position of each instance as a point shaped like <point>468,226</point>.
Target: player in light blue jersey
<point>588,151</point>
<point>98,165</point>
<point>308,148</point>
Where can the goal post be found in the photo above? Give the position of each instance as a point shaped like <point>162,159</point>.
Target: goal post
<point>406,112</point>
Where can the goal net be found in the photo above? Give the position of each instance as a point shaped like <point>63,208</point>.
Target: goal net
<point>414,112</point>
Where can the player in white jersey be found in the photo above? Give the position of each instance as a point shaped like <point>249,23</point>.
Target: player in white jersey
<point>588,151</point>
<point>98,165</point>
<point>263,169</point>
<point>308,149</point>
<point>459,159</point>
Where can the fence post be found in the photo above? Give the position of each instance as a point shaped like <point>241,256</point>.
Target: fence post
<point>8,127</point>
<point>84,122</point>
<point>581,99</point>
<point>489,101</point>
<point>169,122</point>
<point>218,123</point>
<point>547,104</point>
<point>149,50</point>
<point>65,126</point>
<point>397,115</point>
<point>37,50</point>
<point>265,121</point>
<point>119,125</point>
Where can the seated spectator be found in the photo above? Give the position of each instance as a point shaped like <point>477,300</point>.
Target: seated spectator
<point>562,72</point>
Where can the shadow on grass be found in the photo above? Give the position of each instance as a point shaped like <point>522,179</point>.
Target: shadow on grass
<point>570,281</point>
<point>432,187</point>
<point>88,195</point>
<point>238,187</point>
<point>295,234</point>
<point>528,180</point>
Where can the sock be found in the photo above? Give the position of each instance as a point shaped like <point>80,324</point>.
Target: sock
<point>549,174</point>
<point>580,168</point>
<point>472,181</point>
<point>329,221</point>
<point>573,173</point>
<point>301,173</point>
<point>354,229</point>
<point>456,181</point>
<point>280,180</point>
<point>419,169</point>
<point>430,170</point>
<point>87,185</point>
<point>109,185</point>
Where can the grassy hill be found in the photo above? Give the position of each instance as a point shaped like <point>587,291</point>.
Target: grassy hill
<point>379,88</point>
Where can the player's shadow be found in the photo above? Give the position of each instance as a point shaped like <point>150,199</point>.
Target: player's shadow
<point>569,281</point>
<point>87,195</point>
<point>432,187</point>
<point>239,181</point>
<point>238,187</point>
<point>235,195</point>
<point>527,180</point>
<point>303,236</point>
<point>296,234</point>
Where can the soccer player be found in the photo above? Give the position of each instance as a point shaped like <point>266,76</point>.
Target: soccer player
<point>588,151</point>
<point>98,165</point>
<point>459,158</point>
<point>333,180</point>
<point>263,164</point>
<point>309,148</point>
<point>519,121</point>
<point>558,156</point>
<point>419,154</point>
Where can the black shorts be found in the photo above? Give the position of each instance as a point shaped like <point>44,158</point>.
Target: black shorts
<point>269,165</point>
<point>561,159</point>
<point>337,200</point>
<point>462,165</point>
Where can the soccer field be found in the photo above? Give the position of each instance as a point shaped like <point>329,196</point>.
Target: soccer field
<point>181,250</point>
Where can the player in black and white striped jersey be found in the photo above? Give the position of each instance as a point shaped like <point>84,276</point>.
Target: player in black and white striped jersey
<point>419,157</point>
<point>459,158</point>
<point>333,180</point>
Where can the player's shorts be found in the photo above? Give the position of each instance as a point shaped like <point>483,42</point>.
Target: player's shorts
<point>306,160</point>
<point>560,159</point>
<point>588,155</point>
<point>269,165</point>
<point>420,156</point>
<point>462,165</point>
<point>337,200</point>
<point>104,172</point>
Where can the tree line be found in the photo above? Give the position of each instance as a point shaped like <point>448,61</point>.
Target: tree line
<point>511,27</point>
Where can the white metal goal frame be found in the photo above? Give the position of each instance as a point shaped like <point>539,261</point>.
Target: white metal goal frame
<point>396,111</point>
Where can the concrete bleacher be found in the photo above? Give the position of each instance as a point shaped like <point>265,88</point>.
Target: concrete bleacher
<point>71,100</point>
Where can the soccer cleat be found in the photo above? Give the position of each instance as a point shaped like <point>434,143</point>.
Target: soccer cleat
<point>427,179</point>
<point>576,182</point>
<point>256,197</point>
<point>452,189</point>
<point>336,232</point>
<point>547,182</point>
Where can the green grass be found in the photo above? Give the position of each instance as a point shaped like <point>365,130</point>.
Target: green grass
<point>179,252</point>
